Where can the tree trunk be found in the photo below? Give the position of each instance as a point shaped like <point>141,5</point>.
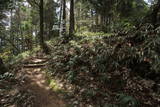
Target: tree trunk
<point>60,19</point>
<point>72,21</point>
<point>41,25</point>
<point>154,13</point>
<point>3,69</point>
<point>152,17</point>
<point>60,15</point>
<point>42,44</point>
<point>63,22</point>
<point>64,18</point>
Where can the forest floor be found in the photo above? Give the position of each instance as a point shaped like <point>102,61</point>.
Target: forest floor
<point>31,80</point>
<point>93,71</point>
<point>35,81</point>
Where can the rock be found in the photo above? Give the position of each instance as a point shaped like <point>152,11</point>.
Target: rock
<point>75,102</point>
<point>147,83</point>
<point>90,106</point>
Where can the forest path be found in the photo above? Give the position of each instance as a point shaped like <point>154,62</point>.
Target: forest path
<point>35,81</point>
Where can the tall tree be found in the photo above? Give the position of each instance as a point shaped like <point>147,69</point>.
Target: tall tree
<point>72,20</point>
<point>40,6</point>
<point>41,25</point>
<point>63,19</point>
<point>3,6</point>
<point>154,14</point>
<point>50,17</point>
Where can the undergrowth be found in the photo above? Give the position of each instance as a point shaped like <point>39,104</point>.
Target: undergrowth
<point>20,57</point>
<point>100,69</point>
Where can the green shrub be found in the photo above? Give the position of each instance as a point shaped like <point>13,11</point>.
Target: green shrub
<point>71,75</point>
<point>127,101</point>
<point>92,34</point>
<point>21,56</point>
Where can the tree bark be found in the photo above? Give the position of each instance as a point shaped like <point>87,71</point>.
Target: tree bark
<point>72,20</point>
<point>154,13</point>
<point>41,14</point>
<point>60,15</point>
<point>3,69</point>
<point>63,21</point>
<point>42,43</point>
<point>152,17</point>
<point>60,19</point>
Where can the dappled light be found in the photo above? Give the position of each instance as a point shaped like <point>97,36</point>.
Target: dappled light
<point>35,81</point>
<point>79,53</point>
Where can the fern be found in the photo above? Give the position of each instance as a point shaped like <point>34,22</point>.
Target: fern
<point>127,101</point>
<point>71,76</point>
<point>110,105</point>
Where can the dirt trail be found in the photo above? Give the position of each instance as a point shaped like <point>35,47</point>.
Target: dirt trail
<point>35,81</point>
